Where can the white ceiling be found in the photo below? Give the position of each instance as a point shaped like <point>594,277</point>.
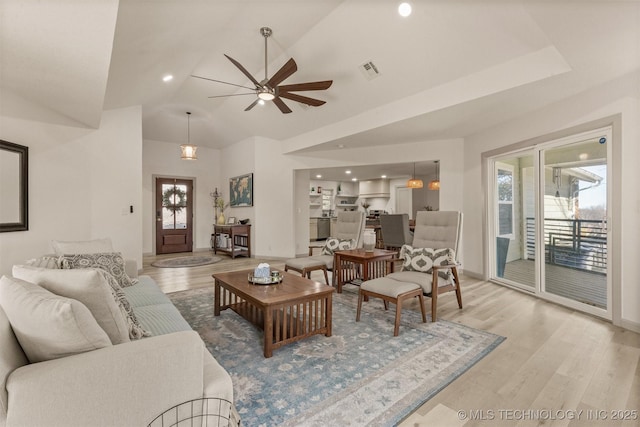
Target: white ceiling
<point>451,69</point>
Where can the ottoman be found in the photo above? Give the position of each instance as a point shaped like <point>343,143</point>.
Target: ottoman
<point>305,266</point>
<point>391,291</point>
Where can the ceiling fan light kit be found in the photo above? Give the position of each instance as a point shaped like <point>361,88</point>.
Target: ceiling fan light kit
<point>270,89</point>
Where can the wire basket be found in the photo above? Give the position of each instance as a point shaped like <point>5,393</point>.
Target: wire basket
<point>204,412</point>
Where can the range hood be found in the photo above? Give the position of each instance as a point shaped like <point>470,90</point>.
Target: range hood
<point>374,188</point>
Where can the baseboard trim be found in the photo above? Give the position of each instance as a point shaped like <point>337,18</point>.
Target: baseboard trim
<point>630,325</point>
<point>473,274</point>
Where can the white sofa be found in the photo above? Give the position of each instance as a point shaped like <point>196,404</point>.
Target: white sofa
<point>126,384</point>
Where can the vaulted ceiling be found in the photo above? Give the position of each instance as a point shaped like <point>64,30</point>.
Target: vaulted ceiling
<point>449,70</point>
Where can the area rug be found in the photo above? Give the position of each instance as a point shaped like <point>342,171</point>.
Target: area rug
<point>186,261</point>
<point>359,376</point>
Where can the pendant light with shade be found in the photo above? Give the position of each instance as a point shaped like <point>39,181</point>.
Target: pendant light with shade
<point>413,182</point>
<point>435,184</point>
<point>188,150</point>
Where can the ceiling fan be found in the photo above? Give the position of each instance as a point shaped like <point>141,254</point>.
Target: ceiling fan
<point>270,89</point>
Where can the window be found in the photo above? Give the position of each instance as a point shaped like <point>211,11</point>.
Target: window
<point>505,193</point>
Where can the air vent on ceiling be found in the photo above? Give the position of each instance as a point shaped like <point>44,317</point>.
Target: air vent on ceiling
<point>369,70</point>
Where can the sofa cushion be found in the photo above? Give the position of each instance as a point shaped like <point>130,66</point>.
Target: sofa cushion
<point>46,325</point>
<point>136,330</point>
<point>11,358</point>
<point>88,286</point>
<point>154,309</point>
<point>82,246</point>
<point>111,262</point>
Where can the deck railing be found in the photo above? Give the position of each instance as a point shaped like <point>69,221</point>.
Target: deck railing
<point>575,243</point>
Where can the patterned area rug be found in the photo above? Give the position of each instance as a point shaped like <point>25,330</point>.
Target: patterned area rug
<point>359,376</point>
<point>186,261</point>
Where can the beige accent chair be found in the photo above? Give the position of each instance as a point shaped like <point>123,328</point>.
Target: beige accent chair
<point>436,230</point>
<point>395,230</point>
<point>349,225</point>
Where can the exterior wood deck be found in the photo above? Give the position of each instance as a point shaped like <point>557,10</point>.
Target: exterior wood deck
<point>578,285</point>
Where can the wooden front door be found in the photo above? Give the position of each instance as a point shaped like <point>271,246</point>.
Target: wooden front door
<point>174,215</point>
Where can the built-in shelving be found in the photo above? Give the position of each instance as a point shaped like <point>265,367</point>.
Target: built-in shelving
<point>346,201</point>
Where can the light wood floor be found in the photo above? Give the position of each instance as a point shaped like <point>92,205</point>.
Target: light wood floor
<point>554,359</point>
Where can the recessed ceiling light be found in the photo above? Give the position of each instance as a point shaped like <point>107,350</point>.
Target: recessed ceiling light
<point>340,145</point>
<point>347,172</point>
<point>383,176</point>
<point>404,9</point>
<point>167,78</point>
<point>318,176</point>
<point>354,179</point>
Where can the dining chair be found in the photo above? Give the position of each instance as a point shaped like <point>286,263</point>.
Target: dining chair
<point>395,230</point>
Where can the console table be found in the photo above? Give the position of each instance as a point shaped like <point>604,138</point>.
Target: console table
<point>239,243</point>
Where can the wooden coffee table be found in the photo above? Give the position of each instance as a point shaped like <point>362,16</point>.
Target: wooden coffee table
<point>287,312</point>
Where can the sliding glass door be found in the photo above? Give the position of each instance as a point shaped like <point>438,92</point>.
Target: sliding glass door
<point>549,229</point>
<point>515,214</point>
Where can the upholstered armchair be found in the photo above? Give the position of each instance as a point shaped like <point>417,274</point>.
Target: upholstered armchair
<point>431,258</point>
<point>349,227</point>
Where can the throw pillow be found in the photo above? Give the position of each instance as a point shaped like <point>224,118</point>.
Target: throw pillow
<point>82,246</point>
<point>46,325</point>
<point>88,286</point>
<point>51,262</point>
<point>423,259</point>
<point>332,244</point>
<point>136,331</point>
<point>111,262</point>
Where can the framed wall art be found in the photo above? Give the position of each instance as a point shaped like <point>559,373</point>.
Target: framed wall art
<point>241,191</point>
<point>14,191</point>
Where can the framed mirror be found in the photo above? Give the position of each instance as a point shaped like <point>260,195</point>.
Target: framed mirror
<point>14,187</point>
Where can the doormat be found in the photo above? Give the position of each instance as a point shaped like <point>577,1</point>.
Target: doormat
<point>186,261</point>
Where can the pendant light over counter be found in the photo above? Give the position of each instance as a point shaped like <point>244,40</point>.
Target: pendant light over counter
<point>435,184</point>
<point>188,150</point>
<point>413,182</point>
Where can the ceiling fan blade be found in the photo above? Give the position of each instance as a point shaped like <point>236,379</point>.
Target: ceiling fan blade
<point>285,71</point>
<point>253,104</point>
<point>281,105</point>
<point>304,99</point>
<point>233,94</point>
<point>326,84</point>
<point>226,83</point>
<point>244,70</point>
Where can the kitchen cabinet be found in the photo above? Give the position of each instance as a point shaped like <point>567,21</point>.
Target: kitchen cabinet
<point>374,188</point>
<point>313,229</point>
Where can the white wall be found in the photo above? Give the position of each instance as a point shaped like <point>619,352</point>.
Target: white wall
<point>617,97</point>
<point>162,159</point>
<point>80,180</point>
